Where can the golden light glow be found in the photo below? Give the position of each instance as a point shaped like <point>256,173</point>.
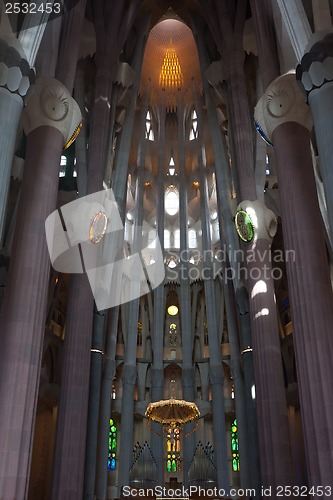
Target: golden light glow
<point>172,310</point>
<point>171,74</point>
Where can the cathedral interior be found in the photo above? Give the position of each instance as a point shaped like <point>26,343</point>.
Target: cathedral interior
<point>187,146</point>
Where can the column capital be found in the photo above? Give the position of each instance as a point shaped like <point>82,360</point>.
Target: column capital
<point>282,102</point>
<point>48,103</point>
<point>188,377</point>
<point>129,375</point>
<point>157,377</point>
<point>263,220</point>
<point>216,375</point>
<point>316,66</point>
<point>16,75</point>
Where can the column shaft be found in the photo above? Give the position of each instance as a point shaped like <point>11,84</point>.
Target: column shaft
<point>310,293</point>
<point>23,319</point>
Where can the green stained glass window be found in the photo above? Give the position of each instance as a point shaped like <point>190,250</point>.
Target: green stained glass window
<point>173,449</point>
<point>112,446</point>
<point>234,446</point>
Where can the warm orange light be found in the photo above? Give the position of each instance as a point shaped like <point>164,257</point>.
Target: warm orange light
<point>171,73</point>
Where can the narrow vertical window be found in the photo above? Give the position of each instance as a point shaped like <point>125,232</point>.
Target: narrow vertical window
<point>173,449</point>
<point>194,126</point>
<point>112,446</point>
<point>234,446</point>
<point>149,128</point>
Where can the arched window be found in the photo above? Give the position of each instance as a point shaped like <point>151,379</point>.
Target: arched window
<point>173,449</point>
<point>63,164</point>
<point>152,238</point>
<point>173,334</point>
<point>172,168</point>
<point>192,238</point>
<point>172,200</point>
<point>176,238</point>
<point>149,129</point>
<point>112,446</point>
<point>166,238</point>
<point>194,126</point>
<point>234,446</point>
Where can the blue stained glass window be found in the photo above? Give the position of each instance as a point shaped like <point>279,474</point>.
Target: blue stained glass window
<point>112,445</point>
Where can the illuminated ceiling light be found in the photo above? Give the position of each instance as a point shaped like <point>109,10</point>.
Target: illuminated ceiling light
<point>147,184</point>
<point>171,74</point>
<point>196,184</point>
<point>172,310</point>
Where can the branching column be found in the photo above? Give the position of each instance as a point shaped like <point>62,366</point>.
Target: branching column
<point>316,75</point>
<point>185,296</point>
<point>129,372</point>
<point>15,79</point>
<point>48,119</point>
<point>285,117</point>
<point>157,375</point>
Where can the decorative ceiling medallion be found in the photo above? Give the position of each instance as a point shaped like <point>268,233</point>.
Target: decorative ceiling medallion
<point>98,227</point>
<point>244,226</point>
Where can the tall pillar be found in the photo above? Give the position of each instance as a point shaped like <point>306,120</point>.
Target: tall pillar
<point>316,75</point>
<point>48,120</point>
<point>272,417</point>
<point>286,120</point>
<point>70,446</point>
<point>185,296</point>
<point>216,373</point>
<point>322,19</point>
<point>106,404</point>
<point>296,23</point>
<point>129,372</point>
<point>231,243</point>
<point>157,375</point>
<point>15,79</point>
<point>96,363</point>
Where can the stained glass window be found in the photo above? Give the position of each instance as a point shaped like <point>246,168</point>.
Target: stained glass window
<point>234,446</point>
<point>173,449</point>
<point>173,334</point>
<point>112,446</point>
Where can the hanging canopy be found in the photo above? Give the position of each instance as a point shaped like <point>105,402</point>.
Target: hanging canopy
<point>172,412</point>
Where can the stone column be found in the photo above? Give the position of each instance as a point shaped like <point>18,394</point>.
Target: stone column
<point>96,362</point>
<point>321,15</point>
<point>231,245</point>
<point>216,373</point>
<point>70,447</point>
<point>273,439</point>
<point>129,372</point>
<point>296,23</point>
<point>106,404</point>
<point>286,120</point>
<point>48,120</point>
<point>185,296</point>
<point>157,375</point>
<point>15,79</point>
<point>316,75</point>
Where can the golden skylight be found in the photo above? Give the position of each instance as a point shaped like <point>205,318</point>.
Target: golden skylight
<point>171,74</point>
